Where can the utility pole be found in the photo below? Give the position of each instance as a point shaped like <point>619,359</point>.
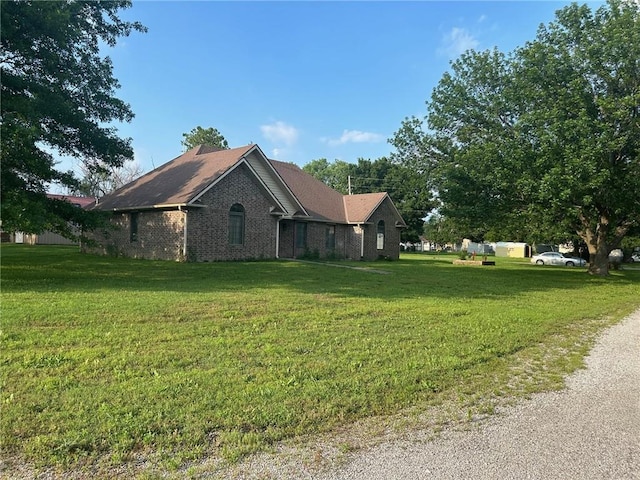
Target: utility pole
<point>349,182</point>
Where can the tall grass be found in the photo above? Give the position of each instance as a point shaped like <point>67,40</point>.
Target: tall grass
<point>105,358</point>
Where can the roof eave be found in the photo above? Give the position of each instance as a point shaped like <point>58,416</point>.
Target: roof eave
<point>155,207</point>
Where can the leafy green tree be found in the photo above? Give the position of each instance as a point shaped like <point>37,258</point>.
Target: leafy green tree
<point>543,143</point>
<point>442,230</point>
<point>335,174</point>
<point>57,98</point>
<point>204,136</point>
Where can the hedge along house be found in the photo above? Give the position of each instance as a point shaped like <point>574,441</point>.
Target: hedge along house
<point>218,205</point>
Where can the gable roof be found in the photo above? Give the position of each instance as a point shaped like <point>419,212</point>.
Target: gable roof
<point>183,180</point>
<point>321,201</point>
<point>174,183</point>
<point>360,207</point>
<point>325,203</point>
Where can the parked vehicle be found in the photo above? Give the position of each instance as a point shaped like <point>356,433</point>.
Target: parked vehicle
<point>635,257</point>
<point>557,258</point>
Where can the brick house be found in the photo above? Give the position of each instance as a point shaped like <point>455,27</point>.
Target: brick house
<point>217,205</point>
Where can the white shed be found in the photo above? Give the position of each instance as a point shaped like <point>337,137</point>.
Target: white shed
<point>513,249</point>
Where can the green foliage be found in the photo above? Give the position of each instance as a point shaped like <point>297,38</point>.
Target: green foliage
<point>630,244</point>
<point>443,230</point>
<point>109,360</point>
<point>204,136</point>
<point>57,97</point>
<point>309,254</point>
<point>335,175</point>
<point>406,186</point>
<point>541,144</point>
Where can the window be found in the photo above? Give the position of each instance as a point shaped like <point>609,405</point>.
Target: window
<point>380,235</point>
<point>301,235</point>
<point>236,225</point>
<point>133,226</point>
<point>330,238</point>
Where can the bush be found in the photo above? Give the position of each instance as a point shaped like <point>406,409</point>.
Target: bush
<point>310,254</point>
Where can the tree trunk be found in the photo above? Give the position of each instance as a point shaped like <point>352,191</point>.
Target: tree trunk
<point>597,245</point>
<point>599,259</point>
<point>606,236</point>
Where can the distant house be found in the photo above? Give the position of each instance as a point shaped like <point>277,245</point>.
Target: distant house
<point>217,205</point>
<point>52,238</point>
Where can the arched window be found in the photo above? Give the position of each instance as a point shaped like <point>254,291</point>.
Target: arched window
<point>380,235</point>
<point>236,224</point>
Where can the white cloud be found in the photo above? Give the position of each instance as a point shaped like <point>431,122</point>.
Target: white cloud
<point>456,42</point>
<point>280,132</point>
<point>355,136</point>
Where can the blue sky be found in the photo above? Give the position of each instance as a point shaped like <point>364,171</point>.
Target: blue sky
<point>304,80</point>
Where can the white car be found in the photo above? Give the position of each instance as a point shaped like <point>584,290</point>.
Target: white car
<point>557,258</point>
<point>635,257</point>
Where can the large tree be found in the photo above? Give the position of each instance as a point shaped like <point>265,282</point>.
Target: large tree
<point>543,143</point>
<point>57,99</point>
<point>335,174</point>
<point>204,136</point>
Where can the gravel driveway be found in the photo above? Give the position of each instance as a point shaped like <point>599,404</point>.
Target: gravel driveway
<point>590,430</point>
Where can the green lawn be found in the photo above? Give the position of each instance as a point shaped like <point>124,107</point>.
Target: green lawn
<point>104,358</point>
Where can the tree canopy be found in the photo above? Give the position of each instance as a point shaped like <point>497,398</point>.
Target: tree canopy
<point>335,174</point>
<point>542,143</point>
<point>204,136</point>
<point>57,99</point>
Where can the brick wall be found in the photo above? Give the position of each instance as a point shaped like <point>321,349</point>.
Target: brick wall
<point>208,227</point>
<point>285,246</point>
<point>317,241</point>
<point>354,242</point>
<point>391,248</point>
<point>160,236</point>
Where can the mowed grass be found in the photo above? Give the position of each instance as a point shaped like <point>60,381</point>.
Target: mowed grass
<point>104,358</point>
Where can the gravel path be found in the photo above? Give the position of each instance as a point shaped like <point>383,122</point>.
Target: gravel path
<point>590,430</point>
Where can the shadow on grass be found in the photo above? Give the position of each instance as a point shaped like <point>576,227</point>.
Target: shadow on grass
<point>64,269</point>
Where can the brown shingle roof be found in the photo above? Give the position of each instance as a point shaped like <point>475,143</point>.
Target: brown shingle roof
<point>360,207</point>
<point>176,182</point>
<point>184,178</point>
<point>319,200</point>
